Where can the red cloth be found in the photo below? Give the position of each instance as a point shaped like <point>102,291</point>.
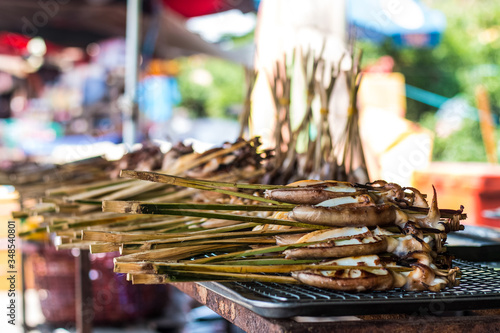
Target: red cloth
<point>193,8</point>
<point>17,44</point>
<point>13,44</point>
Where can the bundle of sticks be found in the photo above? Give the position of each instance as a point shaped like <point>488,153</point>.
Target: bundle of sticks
<point>328,234</point>
<point>32,178</point>
<point>70,208</point>
<point>307,148</point>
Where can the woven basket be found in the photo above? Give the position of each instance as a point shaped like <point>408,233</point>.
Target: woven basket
<point>114,299</point>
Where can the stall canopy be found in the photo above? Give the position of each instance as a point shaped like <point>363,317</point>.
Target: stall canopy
<point>80,22</point>
<point>405,23</point>
<point>18,45</point>
<point>193,8</point>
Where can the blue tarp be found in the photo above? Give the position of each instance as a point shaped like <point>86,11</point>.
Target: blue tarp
<point>157,97</point>
<point>404,22</point>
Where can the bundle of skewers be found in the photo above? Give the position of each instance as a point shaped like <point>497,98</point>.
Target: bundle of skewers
<point>308,148</point>
<point>328,234</point>
<point>31,178</point>
<point>67,209</point>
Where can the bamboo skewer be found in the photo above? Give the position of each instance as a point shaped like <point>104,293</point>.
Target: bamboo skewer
<point>140,267</point>
<point>156,225</point>
<point>103,248</point>
<point>137,207</point>
<point>173,253</point>
<point>113,237</point>
<point>268,260</point>
<point>214,276</point>
<point>70,190</point>
<point>245,117</point>
<point>172,180</point>
<point>181,181</point>
<point>136,248</point>
<point>239,226</point>
<point>253,252</point>
<point>165,268</point>
<point>124,207</point>
<point>99,191</point>
<point>105,221</point>
<point>133,190</point>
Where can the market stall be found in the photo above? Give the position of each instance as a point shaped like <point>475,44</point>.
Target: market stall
<point>288,227</point>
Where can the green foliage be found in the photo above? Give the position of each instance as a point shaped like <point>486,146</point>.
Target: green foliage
<point>464,145</point>
<point>239,41</point>
<point>213,98</point>
<point>466,57</point>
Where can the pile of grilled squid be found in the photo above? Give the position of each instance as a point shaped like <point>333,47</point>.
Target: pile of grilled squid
<point>327,234</point>
<point>375,228</point>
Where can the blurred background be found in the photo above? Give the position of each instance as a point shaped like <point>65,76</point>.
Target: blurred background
<point>429,99</point>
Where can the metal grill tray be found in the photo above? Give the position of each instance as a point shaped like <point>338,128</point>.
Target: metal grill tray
<point>479,289</point>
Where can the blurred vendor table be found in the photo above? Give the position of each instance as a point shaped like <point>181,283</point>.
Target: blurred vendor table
<point>476,186</point>
<point>470,320</point>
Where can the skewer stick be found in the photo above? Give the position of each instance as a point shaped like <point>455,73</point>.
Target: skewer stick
<point>140,187</point>
<point>172,253</point>
<point>197,184</point>
<point>104,248</point>
<point>445,213</point>
<point>82,223</point>
<point>100,191</point>
<point>165,268</point>
<point>268,260</point>
<point>155,224</point>
<point>253,252</point>
<point>214,276</point>
<point>117,237</point>
<point>181,181</point>
<point>124,207</point>
<point>134,267</point>
<point>73,189</point>
<point>135,248</point>
<point>138,207</point>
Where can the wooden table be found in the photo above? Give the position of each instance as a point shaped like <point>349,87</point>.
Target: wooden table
<point>469,321</point>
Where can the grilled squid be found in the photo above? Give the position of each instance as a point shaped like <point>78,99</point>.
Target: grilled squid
<point>415,198</point>
<point>345,242</point>
<point>357,279</point>
<point>371,274</point>
<point>312,192</point>
<point>361,210</point>
<point>426,276</point>
<point>400,246</point>
<point>322,235</point>
<point>340,248</point>
<point>339,216</point>
<point>431,220</point>
<point>368,275</point>
<point>337,243</point>
<point>386,192</point>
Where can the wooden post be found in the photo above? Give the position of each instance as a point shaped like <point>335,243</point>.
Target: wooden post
<point>131,111</point>
<point>83,289</point>
<point>486,122</point>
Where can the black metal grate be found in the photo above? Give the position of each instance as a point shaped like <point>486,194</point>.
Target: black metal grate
<point>479,289</point>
